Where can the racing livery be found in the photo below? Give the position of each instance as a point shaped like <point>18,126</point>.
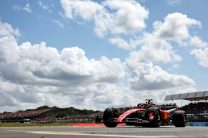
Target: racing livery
<point>146,115</point>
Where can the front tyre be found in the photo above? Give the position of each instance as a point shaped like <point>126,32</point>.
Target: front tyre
<point>179,118</point>
<point>108,117</point>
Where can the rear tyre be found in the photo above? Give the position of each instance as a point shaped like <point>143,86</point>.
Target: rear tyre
<point>152,114</point>
<point>108,116</point>
<point>179,118</point>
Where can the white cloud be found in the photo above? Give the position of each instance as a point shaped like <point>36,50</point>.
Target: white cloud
<point>121,43</point>
<point>149,77</point>
<point>103,23</point>
<point>86,9</point>
<point>27,8</point>
<point>154,50</point>
<point>41,64</point>
<point>129,16</point>
<point>175,26</point>
<point>157,47</point>
<point>43,6</point>
<point>6,30</point>
<point>32,75</point>
<point>114,16</point>
<point>196,41</point>
<point>201,54</point>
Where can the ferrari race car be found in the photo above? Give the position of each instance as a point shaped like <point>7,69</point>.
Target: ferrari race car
<point>146,115</point>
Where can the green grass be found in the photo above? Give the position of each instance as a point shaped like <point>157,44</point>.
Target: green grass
<point>31,124</point>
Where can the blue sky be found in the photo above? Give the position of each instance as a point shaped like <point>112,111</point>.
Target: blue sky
<point>115,50</point>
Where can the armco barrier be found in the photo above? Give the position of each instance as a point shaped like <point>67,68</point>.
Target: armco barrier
<point>204,124</point>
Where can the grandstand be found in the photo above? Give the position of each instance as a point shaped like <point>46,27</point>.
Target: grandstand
<point>193,96</point>
<point>22,116</point>
<point>197,109</point>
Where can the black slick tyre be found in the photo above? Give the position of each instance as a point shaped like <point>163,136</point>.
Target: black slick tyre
<point>108,116</point>
<point>179,118</point>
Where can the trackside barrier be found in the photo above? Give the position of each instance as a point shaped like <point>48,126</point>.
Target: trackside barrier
<point>204,124</point>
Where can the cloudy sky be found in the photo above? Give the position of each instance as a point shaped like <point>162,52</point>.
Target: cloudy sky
<point>99,53</point>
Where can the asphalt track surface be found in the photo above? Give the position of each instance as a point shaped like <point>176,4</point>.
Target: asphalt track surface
<point>103,132</point>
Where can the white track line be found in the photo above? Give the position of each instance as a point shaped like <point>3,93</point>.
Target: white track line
<point>97,135</point>
<point>130,131</point>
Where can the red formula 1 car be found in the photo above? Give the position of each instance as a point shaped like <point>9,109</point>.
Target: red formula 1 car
<point>146,115</point>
